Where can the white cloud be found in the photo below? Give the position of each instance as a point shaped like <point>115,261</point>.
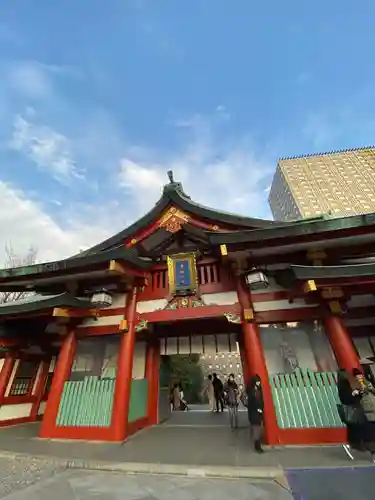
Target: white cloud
<point>24,223</point>
<point>141,179</point>
<point>48,149</point>
<point>28,78</point>
<point>34,79</point>
<point>232,179</point>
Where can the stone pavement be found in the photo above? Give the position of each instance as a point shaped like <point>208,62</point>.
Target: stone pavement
<point>357,483</point>
<point>18,473</point>
<point>195,439</point>
<point>190,442</point>
<point>78,485</point>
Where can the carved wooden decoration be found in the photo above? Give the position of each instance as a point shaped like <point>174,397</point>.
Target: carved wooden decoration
<point>173,220</point>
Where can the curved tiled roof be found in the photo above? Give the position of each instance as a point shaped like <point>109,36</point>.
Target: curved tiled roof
<point>40,302</point>
<point>173,194</point>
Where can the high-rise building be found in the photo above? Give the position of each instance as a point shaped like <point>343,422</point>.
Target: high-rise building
<point>339,183</point>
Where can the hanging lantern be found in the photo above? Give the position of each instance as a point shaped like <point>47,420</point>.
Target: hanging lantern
<point>256,279</point>
<point>101,298</point>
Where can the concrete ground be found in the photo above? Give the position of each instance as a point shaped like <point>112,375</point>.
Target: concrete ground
<point>194,438</point>
<point>193,443</point>
<point>82,485</point>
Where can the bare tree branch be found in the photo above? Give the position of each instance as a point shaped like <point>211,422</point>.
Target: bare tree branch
<point>13,259</point>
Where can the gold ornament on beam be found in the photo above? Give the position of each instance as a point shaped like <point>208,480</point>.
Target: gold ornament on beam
<point>248,314</point>
<point>223,250</point>
<point>142,325</point>
<point>233,318</point>
<point>173,220</point>
<point>336,307</point>
<point>309,286</point>
<point>123,327</point>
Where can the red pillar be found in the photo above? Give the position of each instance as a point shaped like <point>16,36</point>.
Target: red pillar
<point>256,363</point>
<point>5,374</point>
<point>341,343</point>
<point>39,389</point>
<point>121,400</point>
<point>61,374</point>
<point>152,375</point>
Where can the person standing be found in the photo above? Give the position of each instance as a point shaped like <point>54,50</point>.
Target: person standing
<point>218,392</point>
<point>231,395</point>
<point>255,411</point>
<point>367,402</point>
<point>209,390</point>
<point>176,398</point>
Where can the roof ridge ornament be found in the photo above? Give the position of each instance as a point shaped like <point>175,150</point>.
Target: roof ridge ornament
<point>170,176</point>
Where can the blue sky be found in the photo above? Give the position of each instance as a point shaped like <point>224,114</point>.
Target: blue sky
<point>99,99</point>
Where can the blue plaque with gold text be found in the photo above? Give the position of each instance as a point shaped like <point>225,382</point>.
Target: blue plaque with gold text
<point>182,274</point>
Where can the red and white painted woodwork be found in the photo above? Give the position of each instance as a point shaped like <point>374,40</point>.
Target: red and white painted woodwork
<point>256,363</point>
<point>27,408</point>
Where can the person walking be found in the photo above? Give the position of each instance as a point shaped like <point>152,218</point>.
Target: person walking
<point>351,412</point>
<point>218,393</point>
<point>209,391</point>
<point>231,396</point>
<point>255,411</point>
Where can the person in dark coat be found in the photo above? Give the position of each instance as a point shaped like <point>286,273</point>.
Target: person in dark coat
<point>350,397</point>
<point>218,392</point>
<point>255,411</point>
<point>231,395</point>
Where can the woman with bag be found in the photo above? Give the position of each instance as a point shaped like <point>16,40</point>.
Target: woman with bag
<point>367,402</point>
<point>351,413</point>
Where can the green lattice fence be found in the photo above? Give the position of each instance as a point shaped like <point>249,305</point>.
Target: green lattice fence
<point>87,403</point>
<point>306,399</point>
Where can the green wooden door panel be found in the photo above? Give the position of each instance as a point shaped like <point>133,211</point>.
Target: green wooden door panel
<point>138,400</point>
<point>306,399</point>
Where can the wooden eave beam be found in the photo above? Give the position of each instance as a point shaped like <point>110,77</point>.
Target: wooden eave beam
<point>26,315</point>
<point>66,312</point>
<point>345,282</point>
<point>121,268</point>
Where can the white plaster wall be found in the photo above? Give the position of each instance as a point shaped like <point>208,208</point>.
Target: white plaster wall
<point>102,321</point>
<point>273,287</point>
<point>8,412</point>
<point>198,344</point>
<point>278,305</point>
<point>363,347</point>
<point>298,340</point>
<point>360,321</point>
<point>52,365</point>
<point>118,300</point>
<point>139,360</point>
<point>42,408</point>
<point>361,301</point>
<point>220,299</point>
<point>146,306</point>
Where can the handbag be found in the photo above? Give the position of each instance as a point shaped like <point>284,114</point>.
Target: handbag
<point>244,399</point>
<point>351,415</point>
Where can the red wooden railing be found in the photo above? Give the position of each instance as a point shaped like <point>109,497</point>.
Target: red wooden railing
<point>212,278</point>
